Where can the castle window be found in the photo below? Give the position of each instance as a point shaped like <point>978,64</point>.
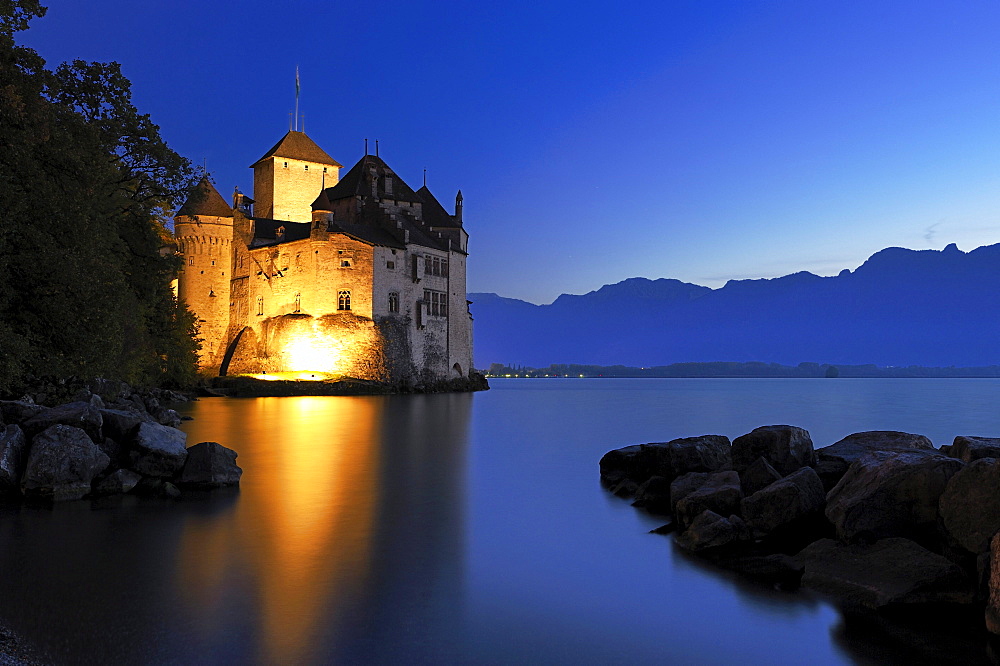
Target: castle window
<point>286,165</point>
<point>437,305</point>
<point>307,168</point>
<point>391,265</point>
<point>279,233</point>
<point>344,299</point>
<point>346,262</point>
<point>388,184</point>
<point>393,302</point>
<point>298,303</point>
<point>260,305</point>
<point>190,261</point>
<point>324,169</point>
<point>213,262</point>
<point>444,268</point>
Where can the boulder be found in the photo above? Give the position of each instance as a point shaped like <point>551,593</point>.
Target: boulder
<point>890,494</point>
<point>757,476</point>
<point>653,495</point>
<point>152,486</point>
<point>81,415</point>
<point>785,447</point>
<point>707,453</point>
<point>62,462</point>
<point>970,505</point>
<point>13,452</point>
<point>167,417</point>
<point>18,411</point>
<point>709,530</point>
<point>968,449</point>
<point>720,492</point>
<point>683,486</point>
<point>832,461</point>
<point>120,425</point>
<point>629,462</point>
<point>786,502</point>
<point>892,571</point>
<point>118,482</point>
<point>211,465</point>
<point>993,604</point>
<point>158,450</point>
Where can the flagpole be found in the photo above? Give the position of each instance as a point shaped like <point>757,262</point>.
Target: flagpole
<point>296,98</point>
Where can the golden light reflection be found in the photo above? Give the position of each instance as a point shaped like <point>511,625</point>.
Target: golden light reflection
<point>310,349</point>
<point>303,523</point>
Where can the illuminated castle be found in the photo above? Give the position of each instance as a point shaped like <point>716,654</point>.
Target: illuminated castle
<point>321,276</point>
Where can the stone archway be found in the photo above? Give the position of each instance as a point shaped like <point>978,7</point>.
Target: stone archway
<point>457,370</point>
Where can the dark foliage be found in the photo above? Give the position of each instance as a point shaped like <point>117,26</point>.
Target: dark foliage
<point>85,184</point>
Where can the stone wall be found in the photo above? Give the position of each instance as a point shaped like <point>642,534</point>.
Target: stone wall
<point>205,245</point>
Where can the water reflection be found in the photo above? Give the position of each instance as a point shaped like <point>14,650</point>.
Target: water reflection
<point>344,543</point>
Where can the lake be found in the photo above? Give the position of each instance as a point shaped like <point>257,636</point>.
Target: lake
<point>451,528</point>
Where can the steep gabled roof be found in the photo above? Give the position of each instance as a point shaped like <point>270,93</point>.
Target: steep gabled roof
<point>266,231</point>
<point>298,146</point>
<point>355,182</point>
<point>205,200</point>
<point>434,213</point>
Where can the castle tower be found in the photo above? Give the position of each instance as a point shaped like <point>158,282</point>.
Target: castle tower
<point>287,179</point>
<point>203,228</point>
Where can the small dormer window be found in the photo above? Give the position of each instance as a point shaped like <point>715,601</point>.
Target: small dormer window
<point>279,233</point>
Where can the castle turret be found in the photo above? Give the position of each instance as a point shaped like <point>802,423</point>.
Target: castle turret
<point>288,177</point>
<point>204,231</point>
<point>458,207</point>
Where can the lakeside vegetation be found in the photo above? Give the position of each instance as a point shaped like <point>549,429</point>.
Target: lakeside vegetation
<point>751,369</point>
<point>86,185</point>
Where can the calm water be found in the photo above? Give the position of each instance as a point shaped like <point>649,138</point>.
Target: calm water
<point>445,529</point>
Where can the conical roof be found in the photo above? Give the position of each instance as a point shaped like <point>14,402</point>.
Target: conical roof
<point>205,200</point>
<point>322,202</point>
<point>298,146</point>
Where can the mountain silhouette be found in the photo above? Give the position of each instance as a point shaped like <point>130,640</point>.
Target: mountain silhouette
<point>901,307</point>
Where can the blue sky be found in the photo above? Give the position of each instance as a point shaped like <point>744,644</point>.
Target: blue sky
<point>700,140</point>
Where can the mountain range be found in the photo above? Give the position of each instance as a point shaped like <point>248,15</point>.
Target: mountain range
<point>901,307</point>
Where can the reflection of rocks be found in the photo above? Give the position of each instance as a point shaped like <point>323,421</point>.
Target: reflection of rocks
<point>83,448</point>
<point>885,488</point>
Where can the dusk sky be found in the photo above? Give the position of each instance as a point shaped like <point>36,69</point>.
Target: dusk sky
<point>700,140</point>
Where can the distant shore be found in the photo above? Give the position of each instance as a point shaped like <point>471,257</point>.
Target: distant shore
<point>730,370</point>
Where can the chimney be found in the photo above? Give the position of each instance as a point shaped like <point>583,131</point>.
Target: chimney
<point>458,207</point>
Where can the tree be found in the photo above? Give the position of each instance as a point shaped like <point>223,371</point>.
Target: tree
<point>86,183</point>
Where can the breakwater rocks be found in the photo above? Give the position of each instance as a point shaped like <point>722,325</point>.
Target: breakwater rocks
<point>878,521</point>
<point>90,448</point>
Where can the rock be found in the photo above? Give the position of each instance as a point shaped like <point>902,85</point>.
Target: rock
<point>757,476</point>
<point>889,572</point>
<point>158,450</point>
<point>653,495</point>
<point>707,453</point>
<point>832,461</point>
<point>118,482</point>
<point>151,486</point>
<point>777,569</point>
<point>13,452</point>
<point>709,530</point>
<point>167,417</point>
<point>666,528</point>
<point>720,493</point>
<point>120,425</point>
<point>211,465</point>
<point>96,401</point>
<point>683,486</point>
<point>785,447</point>
<point>18,411</point>
<point>62,462</point>
<point>970,505</point>
<point>628,462</point>
<point>77,414</point>
<point>889,494</point>
<point>625,488</point>
<point>993,605</point>
<point>785,502</point>
<point>968,449</point>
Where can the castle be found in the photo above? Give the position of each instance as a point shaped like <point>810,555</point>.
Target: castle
<point>321,276</point>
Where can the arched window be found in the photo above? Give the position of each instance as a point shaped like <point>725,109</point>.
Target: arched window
<point>393,301</point>
<point>298,302</point>
<point>344,299</point>
<point>260,305</point>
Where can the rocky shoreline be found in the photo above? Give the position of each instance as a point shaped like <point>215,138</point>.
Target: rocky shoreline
<point>879,522</point>
<point>109,440</point>
<point>250,387</point>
